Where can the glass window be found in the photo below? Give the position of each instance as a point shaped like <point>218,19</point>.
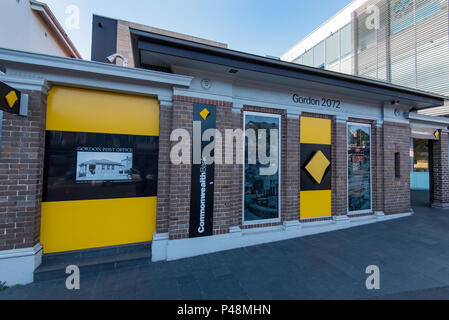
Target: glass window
<point>346,40</point>
<point>332,49</point>
<point>261,199</point>
<point>308,58</point>
<point>298,60</point>
<point>420,155</point>
<point>319,55</point>
<point>359,167</point>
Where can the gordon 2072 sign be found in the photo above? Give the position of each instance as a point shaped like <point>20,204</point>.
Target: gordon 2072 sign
<point>317,102</point>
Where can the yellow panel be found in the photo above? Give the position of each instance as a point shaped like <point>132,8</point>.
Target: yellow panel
<point>316,130</point>
<point>80,110</point>
<point>77,225</point>
<point>315,204</point>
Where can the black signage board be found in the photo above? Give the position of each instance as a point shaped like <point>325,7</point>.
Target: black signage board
<point>9,99</point>
<point>202,182</point>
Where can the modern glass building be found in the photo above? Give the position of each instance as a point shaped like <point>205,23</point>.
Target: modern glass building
<point>404,42</point>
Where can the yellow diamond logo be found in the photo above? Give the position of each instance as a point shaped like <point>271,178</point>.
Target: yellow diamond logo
<point>204,114</point>
<point>436,134</point>
<point>317,166</point>
<point>11,98</point>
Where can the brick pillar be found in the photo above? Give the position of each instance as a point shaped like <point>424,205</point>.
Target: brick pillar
<point>180,175</point>
<point>22,150</point>
<point>292,173</point>
<point>224,197</point>
<point>378,169</point>
<point>237,176</point>
<point>396,140</point>
<point>439,171</point>
<point>163,183</point>
<point>339,168</point>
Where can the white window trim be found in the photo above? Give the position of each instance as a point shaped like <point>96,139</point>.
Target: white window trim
<point>370,168</point>
<point>262,221</point>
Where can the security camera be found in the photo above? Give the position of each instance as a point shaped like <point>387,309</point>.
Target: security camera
<point>114,57</point>
<point>395,102</point>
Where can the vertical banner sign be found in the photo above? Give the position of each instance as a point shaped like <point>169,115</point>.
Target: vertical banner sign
<point>202,182</point>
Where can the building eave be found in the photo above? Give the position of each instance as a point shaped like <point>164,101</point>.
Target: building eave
<point>181,48</point>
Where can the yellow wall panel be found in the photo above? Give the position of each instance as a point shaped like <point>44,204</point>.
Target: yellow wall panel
<point>76,225</point>
<point>316,130</point>
<point>315,204</point>
<point>81,110</point>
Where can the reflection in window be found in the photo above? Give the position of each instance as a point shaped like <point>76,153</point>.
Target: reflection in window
<point>359,167</point>
<point>420,155</point>
<point>261,192</point>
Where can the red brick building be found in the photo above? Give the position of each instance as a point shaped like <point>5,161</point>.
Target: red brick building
<point>331,151</point>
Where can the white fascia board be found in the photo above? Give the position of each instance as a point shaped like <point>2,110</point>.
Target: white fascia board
<point>97,69</point>
<point>339,20</point>
<point>432,120</point>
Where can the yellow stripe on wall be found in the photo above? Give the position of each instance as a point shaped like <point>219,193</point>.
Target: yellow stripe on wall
<point>316,130</point>
<point>76,225</point>
<point>315,204</point>
<point>81,110</point>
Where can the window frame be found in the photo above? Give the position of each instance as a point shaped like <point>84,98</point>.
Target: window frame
<point>262,221</point>
<point>370,168</point>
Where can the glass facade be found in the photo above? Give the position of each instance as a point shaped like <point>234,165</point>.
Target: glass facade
<point>329,53</point>
<point>261,192</point>
<point>359,168</point>
<point>399,46</point>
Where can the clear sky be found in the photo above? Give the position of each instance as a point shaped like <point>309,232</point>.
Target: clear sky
<point>255,26</point>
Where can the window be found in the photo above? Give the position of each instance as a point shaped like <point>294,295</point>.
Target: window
<point>261,198</point>
<point>420,155</point>
<point>397,165</point>
<point>346,41</point>
<point>308,58</point>
<point>319,55</point>
<point>359,168</point>
<point>332,49</point>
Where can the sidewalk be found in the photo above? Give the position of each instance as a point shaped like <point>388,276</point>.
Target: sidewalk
<point>412,254</point>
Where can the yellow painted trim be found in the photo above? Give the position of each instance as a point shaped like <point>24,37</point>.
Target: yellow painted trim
<point>81,110</point>
<point>315,204</point>
<point>316,130</point>
<point>77,225</point>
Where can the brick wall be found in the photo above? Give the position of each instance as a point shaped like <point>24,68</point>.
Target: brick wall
<point>339,169</point>
<point>180,175</point>
<point>21,174</point>
<point>396,138</point>
<point>163,182</point>
<point>439,170</point>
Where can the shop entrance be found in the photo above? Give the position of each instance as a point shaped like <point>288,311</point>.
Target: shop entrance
<point>100,170</point>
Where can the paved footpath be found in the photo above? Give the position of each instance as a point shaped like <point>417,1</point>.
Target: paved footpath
<point>412,254</point>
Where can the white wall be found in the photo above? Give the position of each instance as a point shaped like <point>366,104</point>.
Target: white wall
<point>22,29</point>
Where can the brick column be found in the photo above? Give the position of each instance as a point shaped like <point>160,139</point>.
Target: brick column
<point>396,139</point>
<point>339,169</point>
<point>378,174</point>
<point>292,173</point>
<point>224,194</point>
<point>22,150</point>
<point>237,176</point>
<point>180,175</point>
<point>163,183</point>
<point>439,171</point>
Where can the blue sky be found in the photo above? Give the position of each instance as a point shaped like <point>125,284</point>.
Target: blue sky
<point>255,26</point>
